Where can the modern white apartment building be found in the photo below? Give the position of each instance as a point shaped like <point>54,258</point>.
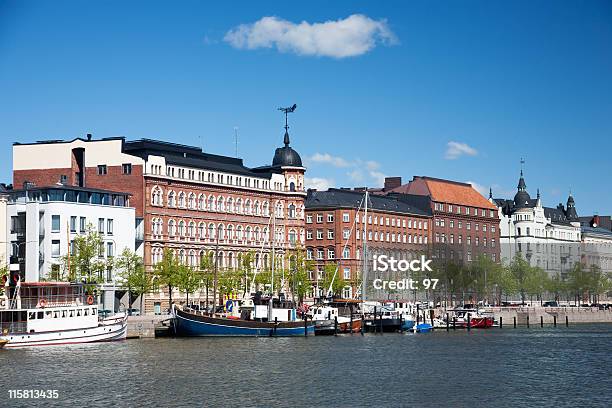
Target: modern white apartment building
<point>42,223</point>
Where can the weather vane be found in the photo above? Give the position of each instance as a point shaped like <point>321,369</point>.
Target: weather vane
<point>287,111</point>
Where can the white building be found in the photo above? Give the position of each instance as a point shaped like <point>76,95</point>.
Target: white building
<point>43,222</point>
<point>549,238</point>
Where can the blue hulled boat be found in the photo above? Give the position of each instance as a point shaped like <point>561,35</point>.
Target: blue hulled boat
<point>194,323</point>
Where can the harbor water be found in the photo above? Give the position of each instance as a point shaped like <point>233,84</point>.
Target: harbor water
<point>521,367</point>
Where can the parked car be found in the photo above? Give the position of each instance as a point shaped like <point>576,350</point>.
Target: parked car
<point>551,303</point>
<point>133,312</point>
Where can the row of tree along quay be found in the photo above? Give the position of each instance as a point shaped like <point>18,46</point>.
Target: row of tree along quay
<point>493,283</point>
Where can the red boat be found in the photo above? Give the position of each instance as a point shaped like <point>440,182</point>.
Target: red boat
<point>477,320</point>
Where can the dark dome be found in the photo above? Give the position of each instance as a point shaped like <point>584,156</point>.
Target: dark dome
<point>286,156</point>
<point>521,199</point>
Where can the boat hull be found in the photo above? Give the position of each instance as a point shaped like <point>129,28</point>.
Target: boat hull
<point>387,325</point>
<point>104,332</point>
<point>195,325</point>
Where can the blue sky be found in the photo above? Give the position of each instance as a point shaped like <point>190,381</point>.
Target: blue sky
<point>383,93</point>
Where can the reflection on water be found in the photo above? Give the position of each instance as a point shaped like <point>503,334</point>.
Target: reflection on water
<point>507,367</point>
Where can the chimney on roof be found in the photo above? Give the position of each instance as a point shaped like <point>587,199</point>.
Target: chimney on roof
<point>88,136</point>
<point>595,221</point>
<point>392,182</point>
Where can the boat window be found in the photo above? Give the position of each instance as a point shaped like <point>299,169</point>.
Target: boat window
<point>71,313</point>
<point>41,315</point>
<point>93,311</point>
<point>31,315</point>
<point>55,314</point>
<point>86,312</point>
<point>78,312</point>
<point>48,314</point>
<point>63,313</point>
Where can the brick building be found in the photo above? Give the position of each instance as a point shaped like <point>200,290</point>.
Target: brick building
<point>335,231</point>
<point>465,224</point>
<point>185,199</point>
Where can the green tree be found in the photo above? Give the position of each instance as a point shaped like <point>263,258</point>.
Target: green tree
<point>332,278</point>
<point>229,282</point>
<point>4,275</point>
<point>207,271</point>
<point>166,272</point>
<point>188,280</point>
<point>521,271</point>
<point>86,260</point>
<point>299,266</point>
<point>579,281</point>
<point>128,263</point>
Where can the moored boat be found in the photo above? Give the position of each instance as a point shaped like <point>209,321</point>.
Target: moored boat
<point>188,322</point>
<point>3,343</point>
<point>44,314</point>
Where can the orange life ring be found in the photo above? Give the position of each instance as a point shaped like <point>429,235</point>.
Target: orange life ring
<point>42,303</point>
<point>90,300</point>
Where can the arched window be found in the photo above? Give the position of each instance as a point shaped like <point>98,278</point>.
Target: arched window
<point>181,228</point>
<point>192,258</point>
<point>291,211</point>
<point>239,232</point>
<point>230,205</point>
<point>247,233</point>
<point>247,207</point>
<point>257,234</point>
<point>266,209</point>
<point>292,236</point>
<point>191,230</point>
<point>211,231</point>
<point>266,234</point>
<point>221,231</point>
<point>157,196</point>
<point>230,260</point>
<point>171,199</point>
<point>201,202</point>
<point>220,203</point>
<point>182,256</point>
<point>181,200</point>
<point>191,203</point>
<point>292,186</point>
<point>202,230</point>
<point>238,206</point>
<point>230,232</point>
<point>256,208</point>
<point>172,228</point>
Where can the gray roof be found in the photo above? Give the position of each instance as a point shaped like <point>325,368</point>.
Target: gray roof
<point>598,231</point>
<point>191,156</point>
<point>340,198</point>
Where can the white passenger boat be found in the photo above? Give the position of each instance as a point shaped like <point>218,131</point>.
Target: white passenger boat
<point>44,314</point>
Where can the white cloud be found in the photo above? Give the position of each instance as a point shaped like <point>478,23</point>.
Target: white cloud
<point>319,183</point>
<point>350,37</point>
<point>480,188</point>
<point>355,175</point>
<point>456,149</point>
<point>378,178</point>
<point>328,158</point>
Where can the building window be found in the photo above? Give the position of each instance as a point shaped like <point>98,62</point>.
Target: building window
<point>346,233</point>
<point>309,254</point>
<point>109,226</point>
<point>309,219</point>
<point>319,254</point>
<point>347,273</point>
<point>330,234</point>
<point>331,254</point>
<point>109,249</point>
<point>319,234</point>
<point>82,223</point>
<point>126,168</point>
<point>73,221</point>
<point>101,225</point>
<point>55,223</point>
<point>55,248</point>
<point>319,218</point>
<point>330,217</point>
<point>102,170</point>
<point>345,217</point>
<point>346,253</point>
<point>309,234</point>
<point>291,211</point>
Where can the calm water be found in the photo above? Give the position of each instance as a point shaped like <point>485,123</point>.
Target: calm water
<point>497,368</point>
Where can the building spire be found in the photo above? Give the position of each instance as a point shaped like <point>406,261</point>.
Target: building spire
<point>287,111</point>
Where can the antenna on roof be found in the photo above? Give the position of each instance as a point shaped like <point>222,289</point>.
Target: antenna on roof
<point>236,139</point>
<point>200,142</point>
<point>522,163</point>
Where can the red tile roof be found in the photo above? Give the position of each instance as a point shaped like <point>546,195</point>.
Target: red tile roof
<point>445,191</point>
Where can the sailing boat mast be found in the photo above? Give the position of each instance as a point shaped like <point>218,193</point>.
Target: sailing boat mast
<point>364,268</point>
<point>273,262</point>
